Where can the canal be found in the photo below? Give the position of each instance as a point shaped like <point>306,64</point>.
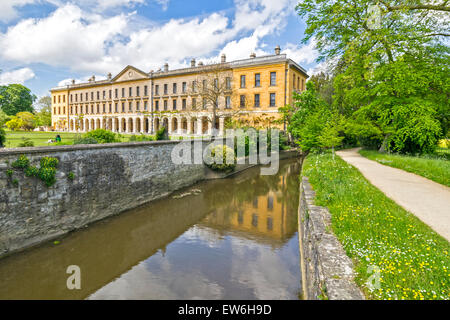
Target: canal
<point>234,238</point>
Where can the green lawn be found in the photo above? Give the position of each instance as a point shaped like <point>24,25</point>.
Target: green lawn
<point>14,138</point>
<point>413,260</point>
<point>434,168</point>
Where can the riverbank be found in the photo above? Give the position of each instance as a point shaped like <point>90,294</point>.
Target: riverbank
<point>384,241</point>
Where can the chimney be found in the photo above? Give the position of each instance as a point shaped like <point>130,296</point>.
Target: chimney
<point>223,58</point>
<point>277,50</point>
<point>192,63</point>
<point>93,78</point>
<point>73,81</point>
<point>166,67</point>
<point>200,63</point>
<point>253,55</point>
<point>109,76</point>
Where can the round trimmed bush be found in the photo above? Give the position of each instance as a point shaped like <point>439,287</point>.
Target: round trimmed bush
<point>224,152</point>
<point>102,136</point>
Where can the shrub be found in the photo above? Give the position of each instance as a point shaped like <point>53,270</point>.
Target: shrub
<point>161,134</point>
<point>48,175</point>
<point>31,171</point>
<point>49,162</point>
<point>71,176</point>
<point>26,142</point>
<point>102,136</point>
<point>2,137</point>
<point>22,163</point>
<point>85,141</point>
<point>224,152</point>
<point>141,137</point>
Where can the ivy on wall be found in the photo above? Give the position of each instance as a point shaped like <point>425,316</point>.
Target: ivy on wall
<point>46,172</point>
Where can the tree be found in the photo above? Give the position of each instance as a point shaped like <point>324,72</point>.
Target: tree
<point>3,118</point>
<point>44,115</point>
<point>2,138</point>
<point>393,68</point>
<point>23,120</point>
<point>16,98</point>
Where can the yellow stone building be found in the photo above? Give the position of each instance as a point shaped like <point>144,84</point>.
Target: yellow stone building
<point>188,101</point>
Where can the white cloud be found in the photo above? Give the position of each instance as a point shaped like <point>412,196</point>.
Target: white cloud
<point>76,38</point>
<point>16,76</point>
<point>302,54</point>
<point>8,8</point>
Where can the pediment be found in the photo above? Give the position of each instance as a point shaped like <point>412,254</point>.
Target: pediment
<point>130,73</point>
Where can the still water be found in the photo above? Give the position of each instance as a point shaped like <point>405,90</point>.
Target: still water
<point>234,238</point>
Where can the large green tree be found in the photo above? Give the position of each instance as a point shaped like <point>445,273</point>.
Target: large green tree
<point>392,81</point>
<point>44,115</point>
<point>15,98</point>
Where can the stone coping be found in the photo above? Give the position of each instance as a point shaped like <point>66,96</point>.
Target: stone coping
<point>327,271</point>
<point>31,150</point>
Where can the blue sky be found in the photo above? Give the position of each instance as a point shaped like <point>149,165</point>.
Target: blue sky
<point>45,43</point>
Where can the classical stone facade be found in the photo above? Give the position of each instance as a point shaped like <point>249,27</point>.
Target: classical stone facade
<point>189,101</point>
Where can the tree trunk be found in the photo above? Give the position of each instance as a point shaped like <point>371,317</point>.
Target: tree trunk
<point>384,144</point>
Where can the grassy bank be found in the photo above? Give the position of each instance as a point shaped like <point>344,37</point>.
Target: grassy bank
<point>14,138</point>
<point>433,168</point>
<point>413,260</point>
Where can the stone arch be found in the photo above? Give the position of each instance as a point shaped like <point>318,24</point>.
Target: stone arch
<point>124,125</point>
<point>138,125</point>
<point>146,125</point>
<point>92,125</point>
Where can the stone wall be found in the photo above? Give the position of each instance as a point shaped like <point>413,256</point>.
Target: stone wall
<point>327,271</point>
<point>108,179</point>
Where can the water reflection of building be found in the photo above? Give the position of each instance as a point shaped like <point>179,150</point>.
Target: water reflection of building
<point>265,217</point>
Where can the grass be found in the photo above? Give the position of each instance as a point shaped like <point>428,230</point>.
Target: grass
<point>436,168</point>
<point>14,138</point>
<point>413,261</point>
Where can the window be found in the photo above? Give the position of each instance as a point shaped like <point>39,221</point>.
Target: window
<point>145,106</point>
<point>138,91</point>
<point>81,97</point>
<point>257,105</point>
<point>104,94</point>
<point>130,91</point>
<point>71,98</point>
<point>270,203</point>
<point>273,78</point>
<point>216,84</point>
<point>110,108</point>
<point>228,83</point>
<point>98,95</point>
<point>76,98</point>
<point>258,80</point>
<point>98,108</point>
<point>157,90</point>
<point>116,107</point>
<point>254,220</point>
<point>165,105</point>
<point>138,105</point>
<point>123,92</point>
<point>184,85</point>
<point>130,106</point>
<point>242,101</point>
<point>157,105</point>
<point>59,99</point>
<point>92,96</point>
<point>166,88</point>
<point>242,81</point>
<point>269,223</point>
<point>116,93</point>
<point>293,83</point>
<point>255,202</point>
<point>303,84</point>
<point>110,94</point>
<point>71,110</point>
<point>174,103</point>
<point>54,100</point>
<point>174,89</point>
<point>123,106</point>
<point>228,102</point>
<point>104,108</point>
<point>204,104</point>
<point>64,99</point>
<point>87,96</point>
<point>204,84</point>
<point>183,106</point>
<point>272,99</point>
<point>194,86</point>
<point>145,90</point>
<point>194,103</point>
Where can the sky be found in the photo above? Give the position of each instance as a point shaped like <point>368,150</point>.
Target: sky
<point>46,43</point>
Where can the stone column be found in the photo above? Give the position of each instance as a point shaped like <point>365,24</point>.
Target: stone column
<point>142,119</point>
<point>113,124</point>
<point>169,129</point>
<point>120,124</point>
<point>221,126</point>
<point>199,126</point>
<point>134,125</point>
<point>189,126</point>
<point>180,126</point>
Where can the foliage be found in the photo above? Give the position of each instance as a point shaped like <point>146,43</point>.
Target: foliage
<point>21,163</point>
<point>161,134</point>
<point>85,141</point>
<point>49,162</point>
<point>48,175</point>
<point>31,171</point>
<point>44,115</point>
<point>102,136</point>
<point>391,79</point>
<point>436,168</point>
<point>23,120</point>
<point>225,155</point>
<point>2,137</point>
<point>413,260</point>
<point>71,176</point>
<point>141,137</point>
<point>26,142</point>
<point>15,98</point>
<point>3,118</point>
